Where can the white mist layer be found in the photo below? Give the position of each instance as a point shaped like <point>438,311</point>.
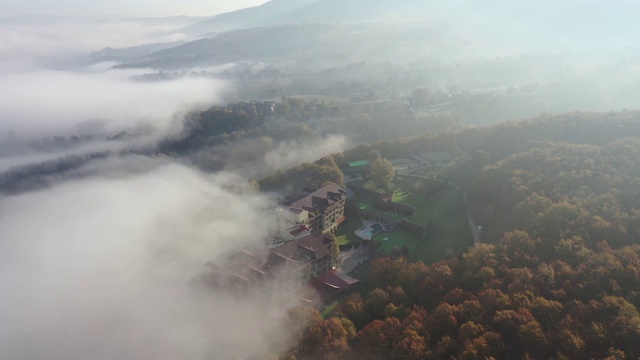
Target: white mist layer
<point>98,268</point>
<point>52,102</point>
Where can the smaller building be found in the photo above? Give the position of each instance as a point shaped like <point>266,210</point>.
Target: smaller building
<point>299,261</point>
<point>356,168</point>
<point>332,283</point>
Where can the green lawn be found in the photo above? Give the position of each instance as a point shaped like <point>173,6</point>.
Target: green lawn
<point>329,309</point>
<point>442,211</point>
<point>397,239</point>
<point>445,214</point>
<point>367,184</point>
<point>345,234</point>
<point>448,233</point>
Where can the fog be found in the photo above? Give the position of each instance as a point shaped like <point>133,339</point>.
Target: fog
<point>96,257</point>
<point>33,42</point>
<point>288,154</point>
<point>98,268</point>
<point>51,87</point>
<point>67,99</point>
<point>131,8</point>
<point>97,264</point>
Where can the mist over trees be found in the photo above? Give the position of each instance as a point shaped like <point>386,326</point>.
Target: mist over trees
<point>135,150</point>
<point>382,172</point>
<point>554,276</point>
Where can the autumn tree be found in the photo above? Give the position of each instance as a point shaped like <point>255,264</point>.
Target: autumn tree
<point>382,172</point>
<point>326,339</point>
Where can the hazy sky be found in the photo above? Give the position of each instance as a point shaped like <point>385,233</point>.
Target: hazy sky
<point>122,7</point>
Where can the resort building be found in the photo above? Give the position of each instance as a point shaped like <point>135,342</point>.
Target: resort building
<point>291,268</point>
<point>301,260</point>
<point>359,167</point>
<point>321,210</point>
<point>297,262</point>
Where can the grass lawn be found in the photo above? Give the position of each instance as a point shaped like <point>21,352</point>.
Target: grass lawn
<point>445,214</point>
<point>367,184</point>
<point>443,211</point>
<point>397,239</point>
<point>345,234</point>
<point>329,309</point>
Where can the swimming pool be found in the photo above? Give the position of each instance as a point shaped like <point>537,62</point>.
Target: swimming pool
<point>369,233</point>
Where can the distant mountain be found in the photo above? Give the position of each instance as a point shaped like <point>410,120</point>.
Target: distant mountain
<point>176,21</point>
<point>256,44</point>
<point>578,17</point>
<point>249,17</point>
<point>288,12</point>
<point>315,46</point>
<point>130,53</point>
<point>307,30</point>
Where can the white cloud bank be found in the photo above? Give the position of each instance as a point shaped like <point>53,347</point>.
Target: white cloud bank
<point>291,153</point>
<point>48,102</point>
<point>98,268</point>
<point>36,42</point>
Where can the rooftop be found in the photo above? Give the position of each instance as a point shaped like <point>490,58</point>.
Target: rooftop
<point>358,163</point>
<point>319,199</point>
<point>306,248</point>
<point>332,283</point>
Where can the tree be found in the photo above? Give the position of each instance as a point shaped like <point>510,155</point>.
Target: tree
<point>376,340</point>
<point>411,346</point>
<point>375,304</point>
<point>382,172</point>
<point>325,339</point>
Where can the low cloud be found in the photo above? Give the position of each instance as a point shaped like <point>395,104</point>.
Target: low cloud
<point>48,88</point>
<point>57,102</point>
<point>35,42</point>
<point>291,153</point>
<point>97,265</point>
<point>98,268</point>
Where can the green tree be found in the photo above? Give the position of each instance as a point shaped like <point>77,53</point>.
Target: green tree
<point>382,172</point>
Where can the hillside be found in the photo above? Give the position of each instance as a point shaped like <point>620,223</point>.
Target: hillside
<point>556,275</point>
<point>249,17</point>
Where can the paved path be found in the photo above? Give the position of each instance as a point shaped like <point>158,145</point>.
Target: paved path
<point>472,225</point>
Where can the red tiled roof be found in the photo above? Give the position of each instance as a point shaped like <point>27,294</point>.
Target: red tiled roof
<point>313,246</point>
<point>332,283</point>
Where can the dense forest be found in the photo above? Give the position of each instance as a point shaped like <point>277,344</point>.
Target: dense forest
<point>235,137</point>
<point>320,179</point>
<point>557,274</point>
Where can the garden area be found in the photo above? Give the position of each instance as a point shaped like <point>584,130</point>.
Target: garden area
<point>442,210</point>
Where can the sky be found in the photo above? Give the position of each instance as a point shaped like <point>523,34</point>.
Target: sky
<point>144,8</point>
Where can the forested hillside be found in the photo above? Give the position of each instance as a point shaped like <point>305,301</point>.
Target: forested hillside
<point>557,274</point>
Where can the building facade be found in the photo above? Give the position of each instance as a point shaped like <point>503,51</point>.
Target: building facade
<point>321,211</point>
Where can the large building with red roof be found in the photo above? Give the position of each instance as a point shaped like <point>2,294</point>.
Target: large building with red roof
<point>304,267</point>
<point>304,252</point>
<point>321,210</point>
